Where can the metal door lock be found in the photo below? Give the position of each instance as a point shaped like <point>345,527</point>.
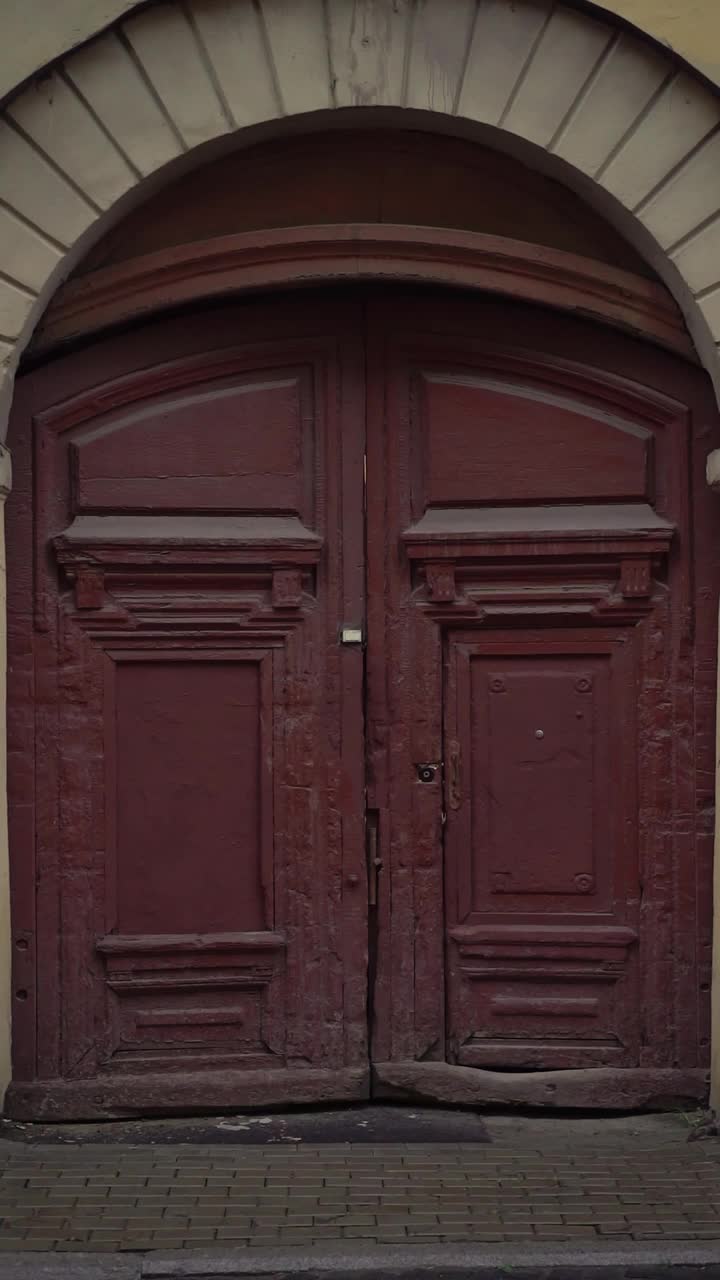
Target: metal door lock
<point>427,772</point>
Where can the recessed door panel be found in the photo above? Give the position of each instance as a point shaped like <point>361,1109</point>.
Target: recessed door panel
<point>191,770</point>
<point>244,447</point>
<point>491,441</point>
<point>539,781</point>
<point>542,849</point>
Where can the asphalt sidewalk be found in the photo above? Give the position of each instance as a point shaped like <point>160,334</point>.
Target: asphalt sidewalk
<point>593,1186</point>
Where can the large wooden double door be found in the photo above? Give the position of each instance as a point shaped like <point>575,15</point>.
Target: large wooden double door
<point>360,711</point>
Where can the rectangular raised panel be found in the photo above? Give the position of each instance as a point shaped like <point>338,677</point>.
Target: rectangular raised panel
<point>243,448</point>
<point>197,995</point>
<point>186,756</point>
<point>541,1006</point>
<point>205,1022</point>
<point>541,1028</point>
<point>542,857</point>
<point>490,443</point>
<point>539,997</point>
<point>539,777</point>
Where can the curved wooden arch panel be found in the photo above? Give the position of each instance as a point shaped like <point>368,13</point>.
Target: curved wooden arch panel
<point>313,255</point>
<point>618,112</point>
<point>377,175</point>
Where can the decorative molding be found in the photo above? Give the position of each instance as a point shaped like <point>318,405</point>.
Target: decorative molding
<point>165,541</point>
<point>615,549</point>
<point>246,945</point>
<point>250,584</point>
<point>551,974</point>
<point>441,584</point>
<point>495,940</point>
<point>363,251</point>
<point>636,577</point>
<point>495,569</point>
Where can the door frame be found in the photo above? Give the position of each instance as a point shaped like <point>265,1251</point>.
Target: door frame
<point>273,260</point>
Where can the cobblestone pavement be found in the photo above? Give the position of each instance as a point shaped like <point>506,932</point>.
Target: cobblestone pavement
<point>543,1184</point>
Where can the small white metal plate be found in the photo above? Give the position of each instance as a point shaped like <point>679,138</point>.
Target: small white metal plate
<point>351,635</point>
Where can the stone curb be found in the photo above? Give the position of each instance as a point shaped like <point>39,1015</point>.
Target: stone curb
<point>670,1261</point>
<point>640,1261</point>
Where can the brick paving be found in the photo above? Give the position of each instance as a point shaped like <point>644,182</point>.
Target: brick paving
<point>517,1190</point>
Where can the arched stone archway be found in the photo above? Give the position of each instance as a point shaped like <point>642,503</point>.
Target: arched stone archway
<point>617,117</point>
<point>34,38</point>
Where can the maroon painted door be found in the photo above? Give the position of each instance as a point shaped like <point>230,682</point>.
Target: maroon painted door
<point>541,560</point>
<point>189,859</point>
<point>360,709</point>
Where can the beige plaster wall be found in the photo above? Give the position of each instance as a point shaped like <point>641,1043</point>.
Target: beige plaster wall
<point>690,27</point>
<point>5,927</point>
<point>38,31</point>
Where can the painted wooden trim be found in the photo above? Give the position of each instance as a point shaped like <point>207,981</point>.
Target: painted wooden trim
<point>363,251</point>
